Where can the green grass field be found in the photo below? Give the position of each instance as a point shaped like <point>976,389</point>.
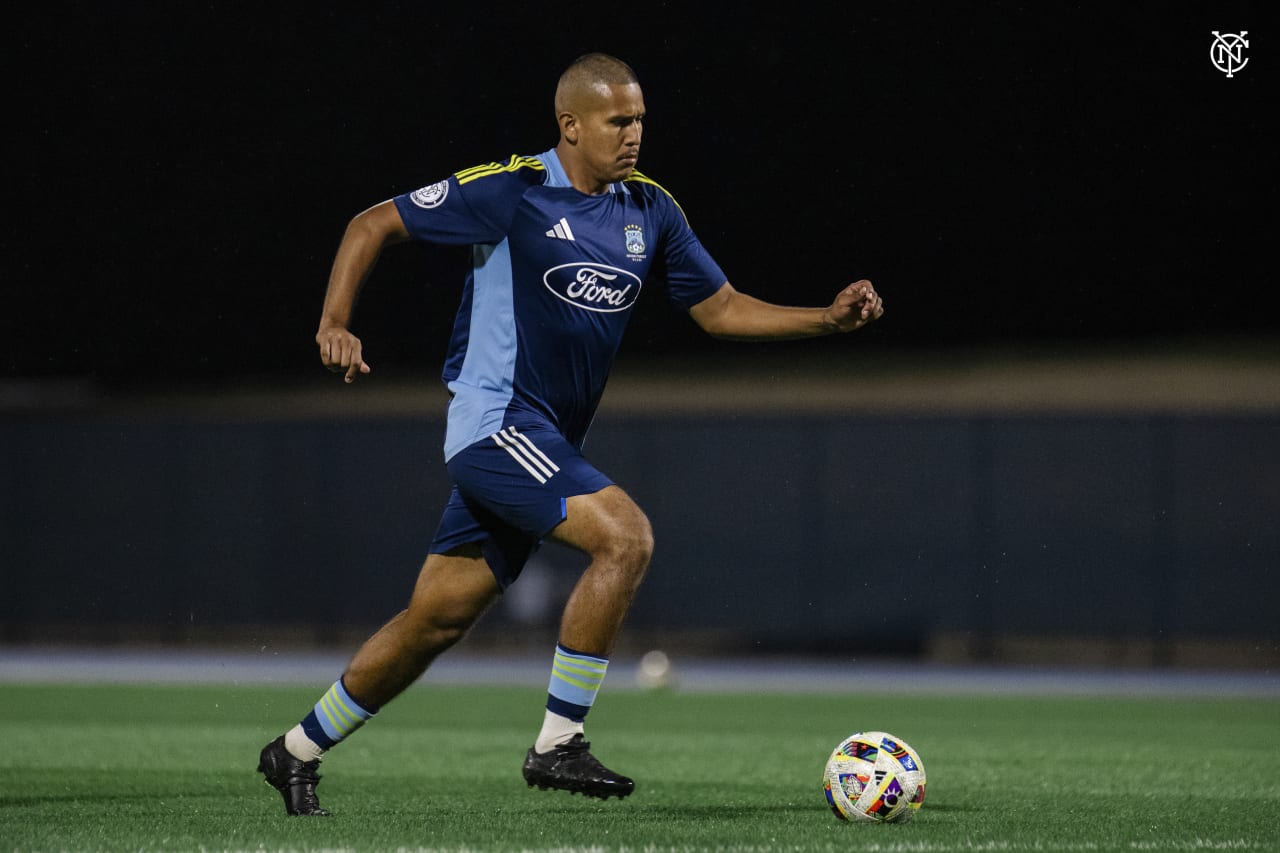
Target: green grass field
<point>163,767</point>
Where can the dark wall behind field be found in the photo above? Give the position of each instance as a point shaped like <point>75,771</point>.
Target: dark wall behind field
<point>853,533</point>
<point>179,176</point>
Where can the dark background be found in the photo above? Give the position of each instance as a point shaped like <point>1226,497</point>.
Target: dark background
<point>1061,173</point>
<point>1069,179</point>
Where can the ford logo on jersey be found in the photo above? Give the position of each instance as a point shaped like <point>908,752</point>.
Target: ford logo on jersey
<point>595,287</point>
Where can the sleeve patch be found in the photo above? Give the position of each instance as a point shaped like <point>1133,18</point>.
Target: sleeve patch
<point>432,196</point>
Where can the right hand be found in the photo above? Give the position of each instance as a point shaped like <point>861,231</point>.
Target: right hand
<point>340,351</point>
<point>854,307</point>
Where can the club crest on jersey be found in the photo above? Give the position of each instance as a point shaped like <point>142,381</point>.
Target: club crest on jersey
<point>593,287</point>
<point>431,196</point>
<point>634,235</point>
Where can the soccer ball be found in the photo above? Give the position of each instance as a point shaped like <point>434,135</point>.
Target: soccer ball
<point>874,776</point>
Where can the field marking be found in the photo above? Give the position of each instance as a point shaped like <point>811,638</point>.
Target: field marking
<point>33,664</point>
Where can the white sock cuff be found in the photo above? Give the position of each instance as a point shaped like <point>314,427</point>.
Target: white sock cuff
<point>300,746</point>
<point>555,731</point>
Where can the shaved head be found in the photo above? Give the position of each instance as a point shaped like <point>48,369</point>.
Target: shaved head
<point>591,74</point>
<point>600,110</point>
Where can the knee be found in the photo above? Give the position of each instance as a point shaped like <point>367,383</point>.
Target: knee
<point>644,542</point>
<point>437,624</point>
<point>630,545</point>
<point>612,530</point>
<point>436,631</point>
<point>449,628</point>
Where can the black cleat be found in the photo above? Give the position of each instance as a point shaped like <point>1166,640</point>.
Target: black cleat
<point>294,778</point>
<point>571,767</point>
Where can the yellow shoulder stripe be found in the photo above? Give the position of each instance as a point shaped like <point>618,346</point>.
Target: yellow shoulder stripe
<point>514,164</point>
<point>645,179</point>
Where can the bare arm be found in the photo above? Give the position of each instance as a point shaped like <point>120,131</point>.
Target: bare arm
<point>366,235</point>
<point>736,316</point>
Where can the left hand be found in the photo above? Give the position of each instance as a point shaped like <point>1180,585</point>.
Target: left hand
<point>854,307</point>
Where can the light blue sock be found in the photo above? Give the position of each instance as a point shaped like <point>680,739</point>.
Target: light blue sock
<point>575,681</point>
<point>334,717</point>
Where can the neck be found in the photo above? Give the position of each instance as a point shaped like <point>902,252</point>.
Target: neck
<point>576,172</point>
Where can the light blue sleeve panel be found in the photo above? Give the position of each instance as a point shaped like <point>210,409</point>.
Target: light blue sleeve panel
<point>476,206</point>
<point>483,388</point>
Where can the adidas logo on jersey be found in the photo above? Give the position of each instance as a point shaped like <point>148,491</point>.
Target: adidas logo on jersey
<point>561,230</point>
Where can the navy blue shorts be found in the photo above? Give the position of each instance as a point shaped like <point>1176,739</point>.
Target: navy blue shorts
<point>509,492</point>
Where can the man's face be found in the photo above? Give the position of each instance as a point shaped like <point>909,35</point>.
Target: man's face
<point>608,133</point>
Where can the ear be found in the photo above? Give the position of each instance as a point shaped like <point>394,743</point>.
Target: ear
<point>569,127</point>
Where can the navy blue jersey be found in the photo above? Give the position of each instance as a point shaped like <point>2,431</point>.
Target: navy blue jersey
<point>554,275</point>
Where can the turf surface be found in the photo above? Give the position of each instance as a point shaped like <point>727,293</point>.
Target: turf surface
<point>165,767</point>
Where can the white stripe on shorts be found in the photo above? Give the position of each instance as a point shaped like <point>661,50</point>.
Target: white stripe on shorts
<point>522,456</point>
<point>536,457</point>
<point>544,457</point>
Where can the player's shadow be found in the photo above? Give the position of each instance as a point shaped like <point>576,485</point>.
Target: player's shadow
<point>726,811</point>
<point>729,811</point>
<point>699,812</point>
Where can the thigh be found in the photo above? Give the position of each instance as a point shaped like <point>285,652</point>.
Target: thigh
<point>605,520</point>
<point>454,587</point>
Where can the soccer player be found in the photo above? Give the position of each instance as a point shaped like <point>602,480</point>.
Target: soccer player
<point>563,243</point>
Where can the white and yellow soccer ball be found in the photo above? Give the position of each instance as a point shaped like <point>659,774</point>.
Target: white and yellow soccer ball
<point>874,776</point>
